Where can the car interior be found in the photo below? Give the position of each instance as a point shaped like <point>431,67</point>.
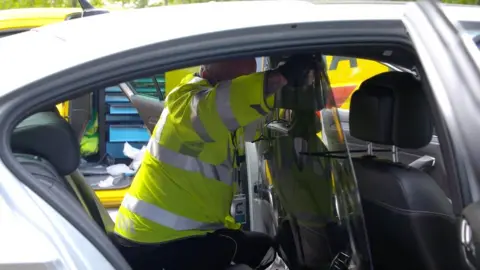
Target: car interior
<point>402,211</point>
<point>410,201</point>
<point>396,196</point>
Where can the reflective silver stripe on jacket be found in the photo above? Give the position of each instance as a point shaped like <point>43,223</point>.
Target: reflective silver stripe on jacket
<point>196,79</point>
<point>224,110</point>
<point>220,172</point>
<point>164,217</point>
<point>224,107</point>
<point>195,119</point>
<point>191,164</point>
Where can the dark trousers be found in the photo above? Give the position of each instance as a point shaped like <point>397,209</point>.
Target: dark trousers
<point>213,251</point>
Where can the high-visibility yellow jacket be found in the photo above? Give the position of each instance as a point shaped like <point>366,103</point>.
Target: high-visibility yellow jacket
<point>90,141</point>
<point>184,186</point>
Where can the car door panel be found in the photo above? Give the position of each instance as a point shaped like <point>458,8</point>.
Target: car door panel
<point>450,61</point>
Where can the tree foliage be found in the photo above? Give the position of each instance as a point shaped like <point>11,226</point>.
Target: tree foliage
<point>463,2</point>
<point>11,4</point>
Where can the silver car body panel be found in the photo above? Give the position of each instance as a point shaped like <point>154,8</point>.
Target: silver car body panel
<point>35,236</point>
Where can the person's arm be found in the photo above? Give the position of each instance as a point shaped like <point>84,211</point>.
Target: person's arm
<point>274,82</point>
<point>233,104</point>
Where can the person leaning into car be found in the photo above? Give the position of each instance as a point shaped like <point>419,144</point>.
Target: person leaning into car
<point>176,214</point>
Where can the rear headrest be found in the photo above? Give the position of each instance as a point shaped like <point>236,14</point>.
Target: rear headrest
<point>47,135</point>
<point>391,108</point>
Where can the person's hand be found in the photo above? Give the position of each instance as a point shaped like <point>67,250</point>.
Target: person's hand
<point>298,69</point>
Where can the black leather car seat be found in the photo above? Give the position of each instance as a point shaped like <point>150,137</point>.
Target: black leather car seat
<point>410,222</point>
<point>46,145</point>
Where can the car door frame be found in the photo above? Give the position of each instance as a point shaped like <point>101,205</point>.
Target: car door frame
<point>439,39</point>
<point>447,63</point>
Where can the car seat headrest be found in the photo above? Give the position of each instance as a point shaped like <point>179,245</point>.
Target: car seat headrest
<point>49,136</point>
<point>391,108</point>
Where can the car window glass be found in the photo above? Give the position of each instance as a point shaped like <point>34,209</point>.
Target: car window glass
<point>347,73</point>
<point>347,198</point>
<point>118,128</point>
<point>151,86</point>
<point>305,159</point>
<point>116,132</point>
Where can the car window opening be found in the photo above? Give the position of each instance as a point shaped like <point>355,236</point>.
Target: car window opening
<point>310,129</point>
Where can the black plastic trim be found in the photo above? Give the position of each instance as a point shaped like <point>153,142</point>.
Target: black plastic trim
<point>102,129</point>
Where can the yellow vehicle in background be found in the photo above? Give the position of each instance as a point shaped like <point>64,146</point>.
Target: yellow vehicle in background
<point>13,21</point>
<point>18,20</point>
<point>346,74</point>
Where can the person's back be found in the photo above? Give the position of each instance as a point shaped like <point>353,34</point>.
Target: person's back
<point>181,195</point>
<point>179,164</point>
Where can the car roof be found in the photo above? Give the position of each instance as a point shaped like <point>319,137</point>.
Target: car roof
<point>74,42</point>
<point>238,14</point>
